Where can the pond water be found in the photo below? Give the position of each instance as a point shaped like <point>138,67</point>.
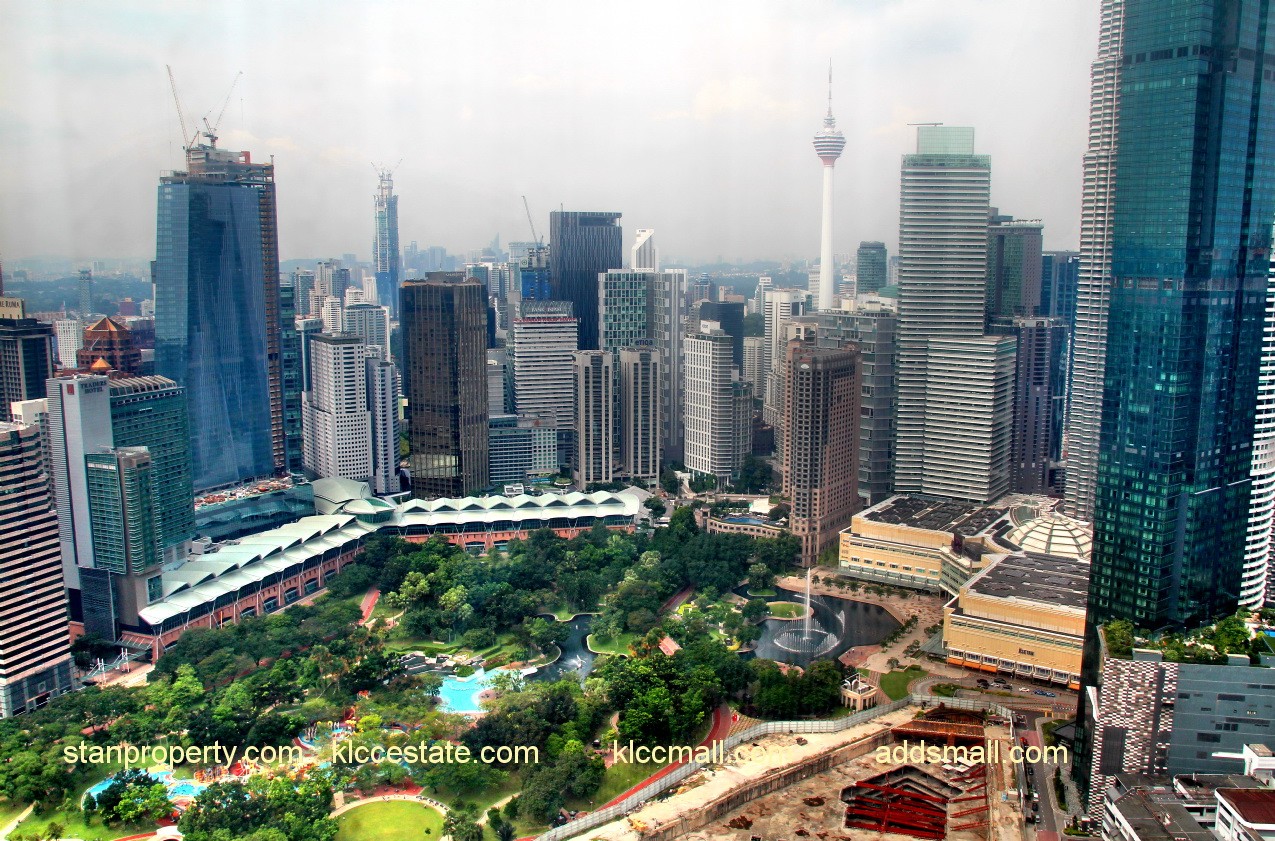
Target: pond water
<point>576,659</point>
<point>837,625</point>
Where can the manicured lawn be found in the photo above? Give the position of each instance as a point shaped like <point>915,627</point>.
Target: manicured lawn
<point>73,827</point>
<point>768,593</point>
<point>895,684</point>
<point>619,644</point>
<point>786,610</point>
<point>393,820</point>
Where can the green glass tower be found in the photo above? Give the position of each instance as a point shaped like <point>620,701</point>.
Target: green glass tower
<point>150,412</point>
<point>1194,198</point>
<point>1179,199</point>
<point>126,536</point>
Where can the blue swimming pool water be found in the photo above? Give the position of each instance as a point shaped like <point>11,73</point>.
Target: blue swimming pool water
<point>460,694</point>
<point>176,788</point>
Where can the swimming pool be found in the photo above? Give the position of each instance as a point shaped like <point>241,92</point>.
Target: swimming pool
<point>176,788</point>
<point>460,694</point>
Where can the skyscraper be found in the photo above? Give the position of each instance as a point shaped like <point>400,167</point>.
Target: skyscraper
<point>26,358</point>
<point>730,316</point>
<point>595,403</point>
<point>1258,578</point>
<point>709,415</point>
<point>444,320</point>
<point>646,257</point>
<point>821,458</point>
<point>544,338</point>
<point>1172,491</point>
<point>943,217</point>
<point>1093,283</point>
<point>1033,432</point>
<point>336,423</point>
<point>641,413</point>
<point>112,342</point>
<point>372,322</point>
<point>90,415</point>
<point>1178,254</point>
<point>291,374</point>
<point>86,293</point>
<point>969,417</point>
<point>581,247</point>
<point>127,550</point>
<point>69,338</point>
<point>779,306</point>
<point>871,267</point>
<point>828,146</point>
<point>668,291</point>
<point>872,329</point>
<point>385,252</point>
<point>35,654</point>
<point>1013,268</point>
<point>217,319</point>
<point>1059,273</point>
<point>382,404</point>
<point>626,310</point>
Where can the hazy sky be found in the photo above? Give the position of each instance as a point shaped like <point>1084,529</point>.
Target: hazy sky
<point>694,118</point>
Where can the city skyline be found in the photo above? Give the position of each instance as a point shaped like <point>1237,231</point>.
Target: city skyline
<point>893,63</point>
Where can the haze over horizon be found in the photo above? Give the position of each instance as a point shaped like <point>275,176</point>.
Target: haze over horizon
<point>695,120</point>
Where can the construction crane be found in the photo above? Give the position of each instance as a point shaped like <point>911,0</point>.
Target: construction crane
<point>188,139</point>
<point>210,131</point>
<point>531,224</point>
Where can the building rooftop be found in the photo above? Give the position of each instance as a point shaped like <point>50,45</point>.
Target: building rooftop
<point>1255,806</point>
<point>1202,786</point>
<point>1155,814</point>
<point>933,514</point>
<point>1060,581</point>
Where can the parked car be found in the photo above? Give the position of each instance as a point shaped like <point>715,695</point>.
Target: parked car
<point>983,683</point>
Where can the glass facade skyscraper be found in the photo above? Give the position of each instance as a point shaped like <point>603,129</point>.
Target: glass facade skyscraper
<point>444,328</point>
<point>386,258</point>
<point>871,271</point>
<point>1185,222</point>
<point>582,246</point>
<point>150,412</point>
<point>1194,198</point>
<point>217,328</point>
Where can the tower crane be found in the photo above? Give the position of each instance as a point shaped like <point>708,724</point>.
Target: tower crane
<point>210,131</point>
<point>188,139</point>
<point>531,224</point>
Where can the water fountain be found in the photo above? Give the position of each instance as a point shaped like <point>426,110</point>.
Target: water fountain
<point>813,640</point>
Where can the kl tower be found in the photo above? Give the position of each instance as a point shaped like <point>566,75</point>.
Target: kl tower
<point>828,145</point>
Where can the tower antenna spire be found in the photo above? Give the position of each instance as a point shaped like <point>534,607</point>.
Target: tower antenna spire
<point>829,87</point>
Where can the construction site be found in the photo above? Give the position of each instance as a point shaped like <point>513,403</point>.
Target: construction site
<point>835,787</point>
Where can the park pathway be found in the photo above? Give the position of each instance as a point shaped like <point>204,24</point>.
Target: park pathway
<point>383,798</point>
<point>370,598</point>
<point>13,824</point>
<point>722,720</point>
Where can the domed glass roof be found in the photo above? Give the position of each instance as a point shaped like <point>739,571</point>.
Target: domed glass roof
<point>1054,534</point>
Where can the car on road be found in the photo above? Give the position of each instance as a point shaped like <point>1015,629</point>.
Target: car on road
<point>983,684</point>
<point>1044,693</point>
<point>1024,689</point>
<point>999,682</point>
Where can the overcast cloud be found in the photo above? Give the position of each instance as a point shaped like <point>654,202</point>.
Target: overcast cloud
<point>694,118</point>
